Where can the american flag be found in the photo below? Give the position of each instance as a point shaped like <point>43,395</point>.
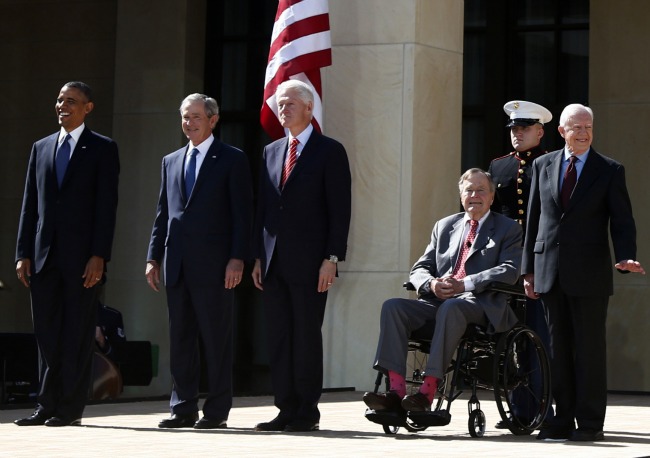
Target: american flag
<point>300,46</point>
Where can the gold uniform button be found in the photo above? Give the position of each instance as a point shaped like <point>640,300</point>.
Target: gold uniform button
<point>521,171</point>
<point>523,162</point>
<point>520,202</point>
<point>519,180</point>
<point>521,212</point>
<point>519,191</point>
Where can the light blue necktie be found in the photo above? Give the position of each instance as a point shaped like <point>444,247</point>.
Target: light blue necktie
<point>190,173</point>
<point>62,159</point>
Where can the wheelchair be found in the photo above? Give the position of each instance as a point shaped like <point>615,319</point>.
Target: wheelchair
<point>513,365</point>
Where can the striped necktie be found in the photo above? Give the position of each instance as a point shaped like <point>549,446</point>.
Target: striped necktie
<point>290,163</point>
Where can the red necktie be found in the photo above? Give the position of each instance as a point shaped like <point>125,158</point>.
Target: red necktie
<point>570,179</point>
<point>290,162</point>
<point>459,271</point>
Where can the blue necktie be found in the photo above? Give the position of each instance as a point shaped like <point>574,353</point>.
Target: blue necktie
<point>62,159</point>
<point>190,173</point>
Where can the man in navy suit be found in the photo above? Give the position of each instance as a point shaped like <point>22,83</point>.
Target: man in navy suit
<point>577,196</point>
<point>300,233</point>
<point>65,237</point>
<point>202,230</point>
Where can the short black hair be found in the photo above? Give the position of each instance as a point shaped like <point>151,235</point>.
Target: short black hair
<point>83,87</point>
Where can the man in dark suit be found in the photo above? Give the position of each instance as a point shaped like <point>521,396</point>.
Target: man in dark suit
<point>576,194</point>
<point>300,233</point>
<point>65,237</point>
<point>512,175</point>
<point>468,251</point>
<point>202,229</point>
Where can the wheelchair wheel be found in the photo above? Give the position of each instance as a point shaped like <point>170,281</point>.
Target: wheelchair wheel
<point>476,423</point>
<point>521,380</point>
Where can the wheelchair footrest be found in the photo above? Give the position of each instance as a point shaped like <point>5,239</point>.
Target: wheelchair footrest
<point>435,418</point>
<point>385,418</point>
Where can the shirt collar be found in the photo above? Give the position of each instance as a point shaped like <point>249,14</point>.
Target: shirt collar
<point>203,147</point>
<point>303,136</point>
<point>466,218</point>
<point>75,134</point>
<point>580,158</point>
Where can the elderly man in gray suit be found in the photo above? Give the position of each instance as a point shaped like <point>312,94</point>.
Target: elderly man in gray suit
<point>468,251</point>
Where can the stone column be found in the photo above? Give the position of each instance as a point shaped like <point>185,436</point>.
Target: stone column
<point>393,97</point>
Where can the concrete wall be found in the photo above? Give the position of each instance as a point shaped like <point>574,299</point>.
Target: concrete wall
<point>619,93</point>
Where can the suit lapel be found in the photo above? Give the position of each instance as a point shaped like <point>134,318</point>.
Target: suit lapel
<point>276,162</point>
<point>553,170</point>
<point>307,153</point>
<point>209,161</point>
<point>50,149</point>
<point>590,172</point>
<point>455,240</point>
<point>484,235</point>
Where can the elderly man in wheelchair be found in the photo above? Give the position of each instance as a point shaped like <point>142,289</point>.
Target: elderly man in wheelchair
<point>467,254</point>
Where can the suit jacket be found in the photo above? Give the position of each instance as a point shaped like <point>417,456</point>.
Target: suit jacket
<point>495,256</point>
<point>574,245</point>
<point>203,231</point>
<point>80,217</point>
<point>309,219</point>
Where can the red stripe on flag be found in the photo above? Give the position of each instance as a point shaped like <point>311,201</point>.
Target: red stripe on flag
<point>309,63</point>
<point>314,24</point>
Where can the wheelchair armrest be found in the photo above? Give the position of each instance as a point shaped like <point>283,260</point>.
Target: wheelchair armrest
<point>408,286</point>
<point>517,289</point>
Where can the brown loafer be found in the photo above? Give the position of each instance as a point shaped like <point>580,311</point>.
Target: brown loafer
<point>417,402</point>
<point>383,401</point>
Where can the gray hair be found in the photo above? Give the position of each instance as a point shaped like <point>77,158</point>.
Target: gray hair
<point>211,105</point>
<point>574,109</point>
<point>303,90</point>
<point>475,170</point>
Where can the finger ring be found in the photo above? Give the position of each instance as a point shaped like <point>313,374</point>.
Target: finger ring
<point>329,283</point>
<point>97,278</point>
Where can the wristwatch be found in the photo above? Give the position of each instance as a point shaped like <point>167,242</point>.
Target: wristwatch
<point>333,258</point>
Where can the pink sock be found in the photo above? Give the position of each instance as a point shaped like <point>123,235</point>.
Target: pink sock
<point>397,383</point>
<point>429,387</point>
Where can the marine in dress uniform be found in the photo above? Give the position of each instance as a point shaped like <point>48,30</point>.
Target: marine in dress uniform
<point>512,176</point>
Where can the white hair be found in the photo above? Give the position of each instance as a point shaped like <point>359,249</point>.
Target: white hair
<point>574,109</point>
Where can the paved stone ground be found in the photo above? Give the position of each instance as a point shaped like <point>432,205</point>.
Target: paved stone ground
<point>129,429</point>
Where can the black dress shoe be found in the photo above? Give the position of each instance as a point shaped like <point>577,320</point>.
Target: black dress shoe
<point>61,421</point>
<point>179,421</point>
<point>417,402</point>
<point>501,425</point>
<point>554,433</point>
<point>388,401</point>
<point>36,419</point>
<point>209,423</point>
<point>586,435</point>
<point>277,424</point>
<point>301,427</point>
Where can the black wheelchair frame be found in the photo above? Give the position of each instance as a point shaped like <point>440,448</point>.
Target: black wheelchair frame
<point>513,364</point>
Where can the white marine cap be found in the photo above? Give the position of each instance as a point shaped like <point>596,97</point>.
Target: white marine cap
<point>524,113</point>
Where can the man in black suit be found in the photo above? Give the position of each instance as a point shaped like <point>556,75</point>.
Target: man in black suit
<point>576,195</point>
<point>300,233</point>
<point>65,237</point>
<point>202,230</point>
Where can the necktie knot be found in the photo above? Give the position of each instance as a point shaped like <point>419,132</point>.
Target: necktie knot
<point>473,223</point>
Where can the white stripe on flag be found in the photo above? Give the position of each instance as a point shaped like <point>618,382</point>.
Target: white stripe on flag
<point>305,45</point>
<point>298,12</point>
